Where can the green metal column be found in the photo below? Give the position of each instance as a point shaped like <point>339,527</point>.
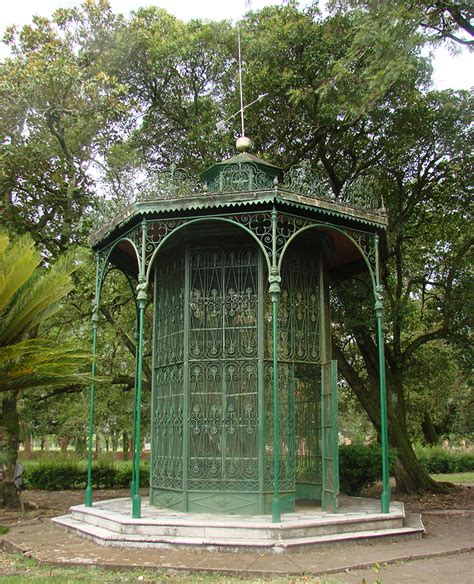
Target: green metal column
<point>134,414</point>
<point>275,290</point>
<point>136,501</point>
<point>95,320</point>
<point>275,294</point>
<point>153,379</point>
<point>385,497</point>
<point>261,384</point>
<point>141,302</point>
<point>186,387</point>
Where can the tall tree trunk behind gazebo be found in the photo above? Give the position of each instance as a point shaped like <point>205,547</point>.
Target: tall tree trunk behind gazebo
<point>9,442</point>
<point>411,477</point>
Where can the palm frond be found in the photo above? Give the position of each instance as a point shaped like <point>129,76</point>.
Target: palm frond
<point>38,299</point>
<point>18,261</point>
<point>40,363</point>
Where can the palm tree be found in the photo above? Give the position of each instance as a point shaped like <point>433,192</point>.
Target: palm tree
<point>29,295</point>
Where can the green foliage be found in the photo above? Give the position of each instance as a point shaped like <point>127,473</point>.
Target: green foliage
<point>439,460</point>
<point>30,295</point>
<point>457,477</point>
<point>448,20</point>
<point>51,474</point>
<point>360,466</point>
<point>55,84</point>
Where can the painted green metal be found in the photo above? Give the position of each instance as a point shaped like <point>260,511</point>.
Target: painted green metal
<point>261,385</point>
<point>184,405</point>
<point>386,494</point>
<point>335,428</point>
<point>214,382</point>
<point>385,497</point>
<point>134,415</point>
<point>276,508</point>
<point>95,320</point>
<point>141,302</point>
<point>136,500</point>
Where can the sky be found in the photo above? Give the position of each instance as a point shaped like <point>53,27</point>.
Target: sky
<point>450,71</point>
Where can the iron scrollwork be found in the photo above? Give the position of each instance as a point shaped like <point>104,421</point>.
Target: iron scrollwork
<point>171,184</point>
<point>240,177</point>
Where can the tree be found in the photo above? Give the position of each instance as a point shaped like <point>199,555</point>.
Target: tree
<point>29,296</point>
<point>424,171</point>
<point>59,110</point>
<point>439,19</point>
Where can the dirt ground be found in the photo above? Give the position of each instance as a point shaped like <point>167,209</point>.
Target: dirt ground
<point>460,499</point>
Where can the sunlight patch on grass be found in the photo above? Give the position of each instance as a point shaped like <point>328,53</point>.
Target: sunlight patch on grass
<point>456,477</point>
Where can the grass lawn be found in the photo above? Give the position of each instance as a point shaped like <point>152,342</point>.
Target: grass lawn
<point>456,477</point>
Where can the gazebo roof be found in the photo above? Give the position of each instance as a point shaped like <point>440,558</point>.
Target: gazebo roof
<point>244,181</point>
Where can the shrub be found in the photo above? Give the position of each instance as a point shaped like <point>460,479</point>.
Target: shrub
<point>61,474</point>
<point>361,466</point>
<point>437,460</point>
<point>51,475</point>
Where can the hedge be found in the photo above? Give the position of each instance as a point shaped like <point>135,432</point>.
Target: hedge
<point>60,475</point>
<point>437,460</point>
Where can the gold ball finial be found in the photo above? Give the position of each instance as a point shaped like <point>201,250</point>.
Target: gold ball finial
<point>243,144</point>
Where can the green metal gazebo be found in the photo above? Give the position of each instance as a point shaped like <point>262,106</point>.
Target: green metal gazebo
<point>244,388</point>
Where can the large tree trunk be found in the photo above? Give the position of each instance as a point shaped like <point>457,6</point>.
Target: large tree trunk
<point>64,443</point>
<point>410,476</point>
<point>9,443</point>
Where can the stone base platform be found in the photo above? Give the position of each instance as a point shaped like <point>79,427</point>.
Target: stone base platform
<point>357,520</point>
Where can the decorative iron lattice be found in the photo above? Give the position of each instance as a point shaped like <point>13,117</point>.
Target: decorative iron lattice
<point>206,401</point>
<point>299,368</point>
<point>302,180</point>
<point>286,435</point>
<point>287,226</point>
<point>240,177</point>
<point>223,368</point>
<point>368,244</point>
<point>307,422</point>
<point>171,184</point>
<point>261,226</point>
<point>360,194</point>
<point>168,419</point>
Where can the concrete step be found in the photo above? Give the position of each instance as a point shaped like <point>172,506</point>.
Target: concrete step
<point>108,537</point>
<point>230,529</point>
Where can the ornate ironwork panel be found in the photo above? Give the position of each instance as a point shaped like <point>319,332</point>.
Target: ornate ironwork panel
<point>329,426</point>
<point>167,463</point>
<point>299,379</point>
<point>213,371</point>
<point>240,177</point>
<point>302,179</point>
<point>223,453</point>
<point>286,437</point>
<point>171,184</point>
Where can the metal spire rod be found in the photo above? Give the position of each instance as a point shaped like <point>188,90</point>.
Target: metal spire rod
<point>220,125</point>
<point>240,84</point>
